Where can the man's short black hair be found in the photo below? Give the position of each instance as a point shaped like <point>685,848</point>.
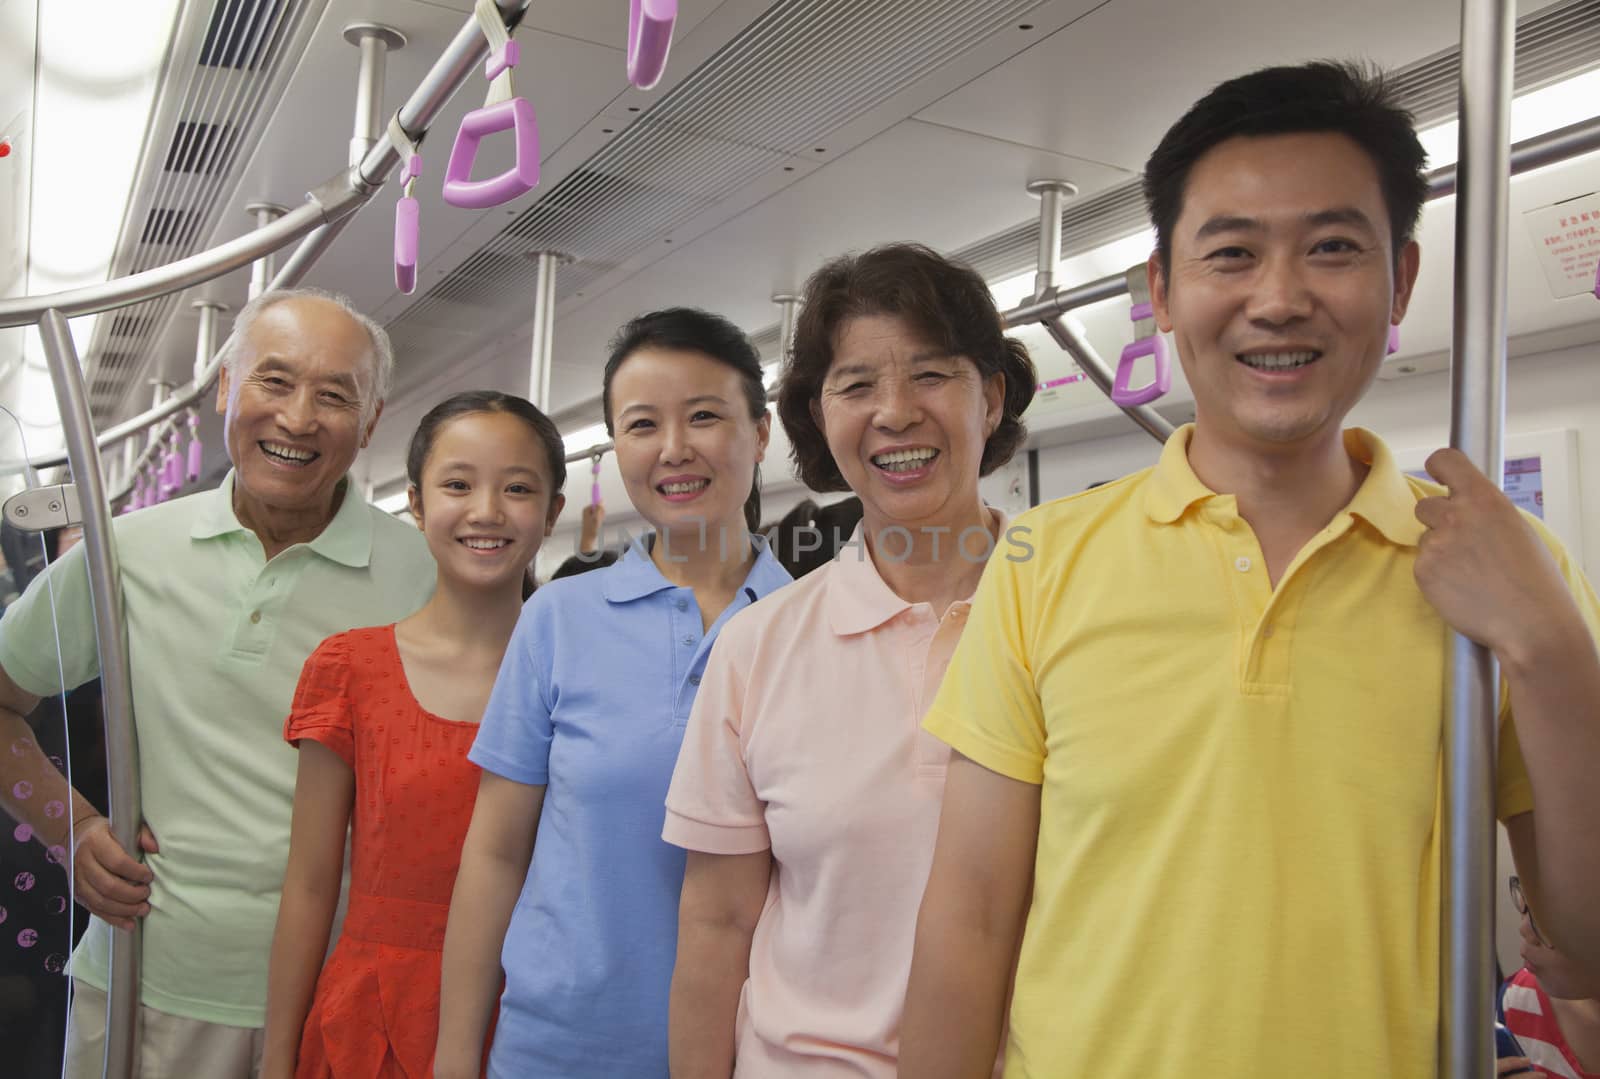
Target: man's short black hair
<point>1340,98</point>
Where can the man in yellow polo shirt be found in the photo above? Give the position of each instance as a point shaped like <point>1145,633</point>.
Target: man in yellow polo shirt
<point>226,593</point>
<point>1198,732</point>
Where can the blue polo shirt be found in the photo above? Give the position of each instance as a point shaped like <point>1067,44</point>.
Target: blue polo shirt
<point>591,702</point>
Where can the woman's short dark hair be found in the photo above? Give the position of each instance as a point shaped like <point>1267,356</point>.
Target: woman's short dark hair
<point>1339,98</point>
<point>943,300</point>
<point>471,402</point>
<point>688,329</point>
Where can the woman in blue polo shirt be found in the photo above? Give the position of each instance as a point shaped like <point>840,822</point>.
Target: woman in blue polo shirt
<point>565,882</point>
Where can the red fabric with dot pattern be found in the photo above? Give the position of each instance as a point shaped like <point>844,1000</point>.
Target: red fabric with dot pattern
<point>376,1010</point>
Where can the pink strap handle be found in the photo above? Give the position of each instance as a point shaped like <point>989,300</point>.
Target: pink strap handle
<point>197,452</point>
<point>136,499</point>
<point>1394,340</point>
<point>594,488</point>
<point>1597,280</point>
<point>1155,346</point>
<point>516,116</point>
<point>407,231</point>
<point>649,39</point>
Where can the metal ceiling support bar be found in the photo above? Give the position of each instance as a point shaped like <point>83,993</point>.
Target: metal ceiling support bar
<point>205,339</point>
<point>1051,194</point>
<point>261,270</point>
<point>544,315</point>
<point>110,632</point>
<point>1477,422</point>
<point>375,41</point>
<point>788,310</point>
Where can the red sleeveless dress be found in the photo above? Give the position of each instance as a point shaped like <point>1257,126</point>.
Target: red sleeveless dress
<point>376,1009</point>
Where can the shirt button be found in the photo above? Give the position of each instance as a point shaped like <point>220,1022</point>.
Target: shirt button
<point>694,679</point>
<point>1267,631</point>
<point>682,605</point>
<point>255,617</point>
<point>688,640</point>
<point>1242,565</point>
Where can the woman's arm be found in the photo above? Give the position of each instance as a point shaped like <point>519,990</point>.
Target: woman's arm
<point>723,896</point>
<point>494,865</point>
<point>324,792</point>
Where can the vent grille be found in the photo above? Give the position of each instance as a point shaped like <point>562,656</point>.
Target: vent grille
<point>802,70</point>
<point>200,148</point>
<point>237,36</point>
<point>224,84</point>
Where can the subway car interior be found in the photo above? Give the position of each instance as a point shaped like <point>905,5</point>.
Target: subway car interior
<point>166,161</point>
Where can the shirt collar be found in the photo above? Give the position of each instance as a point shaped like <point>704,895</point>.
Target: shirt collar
<point>636,575</point>
<point>347,539</point>
<point>1384,499</point>
<point>858,599</point>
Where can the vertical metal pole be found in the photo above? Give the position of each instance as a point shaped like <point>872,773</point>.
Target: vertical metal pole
<point>110,632</point>
<point>205,340</point>
<point>1477,420</point>
<point>544,310</point>
<point>160,390</point>
<point>1051,193</point>
<point>374,40</point>
<point>265,214</point>
<point>788,311</point>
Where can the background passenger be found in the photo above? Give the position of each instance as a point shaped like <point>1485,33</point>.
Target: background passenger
<point>565,882</point>
<point>806,794</point>
<point>808,536</point>
<point>226,594</point>
<point>384,718</point>
<point>1200,730</point>
<point>1552,1005</point>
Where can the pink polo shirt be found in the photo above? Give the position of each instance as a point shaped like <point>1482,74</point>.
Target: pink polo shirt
<point>806,739</point>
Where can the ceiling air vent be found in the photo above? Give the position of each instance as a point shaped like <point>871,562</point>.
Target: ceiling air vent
<point>226,70</point>
<point>238,35</point>
<point>200,148</point>
<point>164,227</point>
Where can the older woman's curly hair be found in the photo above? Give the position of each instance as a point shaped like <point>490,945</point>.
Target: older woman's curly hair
<point>944,301</point>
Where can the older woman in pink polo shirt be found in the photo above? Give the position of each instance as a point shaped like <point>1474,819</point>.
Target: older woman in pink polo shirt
<point>806,793</point>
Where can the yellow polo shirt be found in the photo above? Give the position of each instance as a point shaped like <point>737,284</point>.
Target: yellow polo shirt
<point>1238,864</point>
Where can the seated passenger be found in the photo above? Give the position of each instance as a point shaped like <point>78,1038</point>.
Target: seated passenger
<point>1198,733</point>
<point>806,794</point>
<point>565,883</point>
<point>1552,1005</point>
<point>226,593</point>
<point>384,718</point>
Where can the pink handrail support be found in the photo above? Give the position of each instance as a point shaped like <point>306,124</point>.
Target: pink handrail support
<point>502,111</point>
<point>650,25</point>
<point>1147,342</point>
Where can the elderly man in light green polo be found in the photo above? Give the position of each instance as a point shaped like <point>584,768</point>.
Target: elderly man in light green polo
<point>227,593</point>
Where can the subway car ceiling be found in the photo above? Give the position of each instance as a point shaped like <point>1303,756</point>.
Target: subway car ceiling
<point>782,133</point>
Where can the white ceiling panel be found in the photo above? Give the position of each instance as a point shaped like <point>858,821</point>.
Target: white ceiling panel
<point>1107,86</point>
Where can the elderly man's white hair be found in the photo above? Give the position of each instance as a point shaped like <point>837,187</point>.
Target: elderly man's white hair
<point>382,349</point>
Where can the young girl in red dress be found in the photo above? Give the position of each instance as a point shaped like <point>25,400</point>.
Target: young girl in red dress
<point>383,718</point>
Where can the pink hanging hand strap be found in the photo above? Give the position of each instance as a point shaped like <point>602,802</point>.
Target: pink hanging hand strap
<point>502,110</point>
<point>649,39</point>
<point>407,212</point>
<point>1147,342</point>
<point>594,488</point>
<point>197,452</point>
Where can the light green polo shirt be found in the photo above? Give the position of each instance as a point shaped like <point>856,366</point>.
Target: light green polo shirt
<point>217,636</point>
